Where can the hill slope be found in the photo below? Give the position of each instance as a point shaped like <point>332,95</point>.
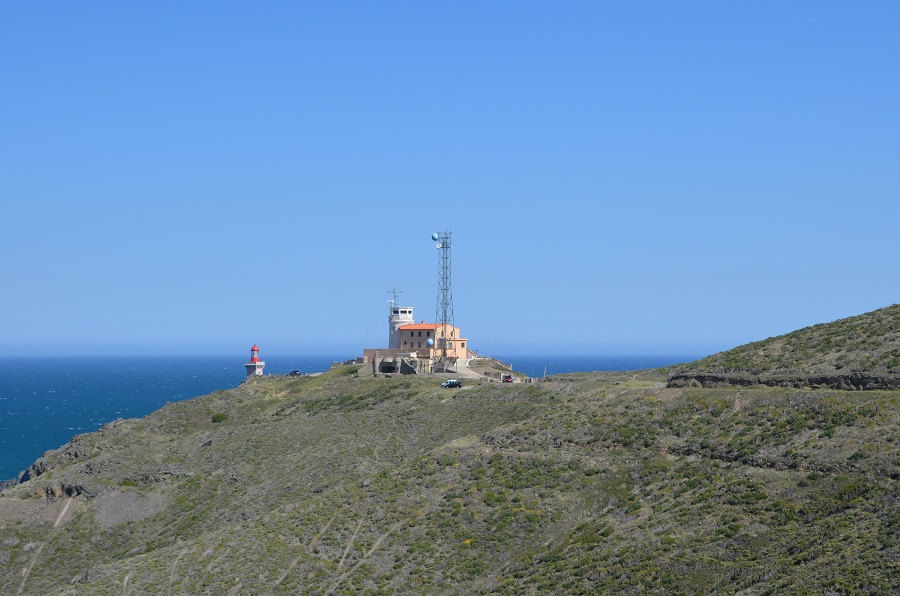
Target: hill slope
<point>861,352</point>
<point>589,483</point>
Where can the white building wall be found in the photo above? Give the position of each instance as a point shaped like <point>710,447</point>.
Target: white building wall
<point>399,315</point>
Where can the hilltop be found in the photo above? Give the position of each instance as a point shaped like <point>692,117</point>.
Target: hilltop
<point>861,352</point>
<point>592,483</point>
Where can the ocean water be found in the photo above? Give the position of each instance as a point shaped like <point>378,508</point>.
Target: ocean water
<point>44,402</point>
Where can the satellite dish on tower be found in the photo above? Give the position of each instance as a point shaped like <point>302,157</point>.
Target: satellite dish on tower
<point>435,236</point>
<point>439,245</point>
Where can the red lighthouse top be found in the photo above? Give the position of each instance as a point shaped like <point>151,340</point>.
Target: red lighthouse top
<point>254,354</point>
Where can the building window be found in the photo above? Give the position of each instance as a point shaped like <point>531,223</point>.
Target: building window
<point>420,334</point>
<point>463,344</point>
<point>428,334</point>
<point>420,344</point>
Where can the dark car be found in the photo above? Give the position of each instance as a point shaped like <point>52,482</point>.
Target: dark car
<point>452,384</point>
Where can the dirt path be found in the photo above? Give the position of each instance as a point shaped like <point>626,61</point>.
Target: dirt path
<point>27,571</point>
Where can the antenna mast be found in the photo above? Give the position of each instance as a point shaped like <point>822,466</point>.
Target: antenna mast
<point>396,295</point>
<point>444,311</point>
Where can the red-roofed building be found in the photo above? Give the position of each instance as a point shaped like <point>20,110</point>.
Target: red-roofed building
<point>416,336</point>
<point>420,345</point>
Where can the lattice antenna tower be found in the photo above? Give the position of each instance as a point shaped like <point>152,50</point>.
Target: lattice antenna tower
<point>444,311</point>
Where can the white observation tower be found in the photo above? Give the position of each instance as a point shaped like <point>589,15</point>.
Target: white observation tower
<point>398,316</point>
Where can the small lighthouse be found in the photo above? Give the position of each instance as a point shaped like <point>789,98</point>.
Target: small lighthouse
<point>255,366</point>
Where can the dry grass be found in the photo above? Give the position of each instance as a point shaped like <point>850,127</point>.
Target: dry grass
<point>584,483</point>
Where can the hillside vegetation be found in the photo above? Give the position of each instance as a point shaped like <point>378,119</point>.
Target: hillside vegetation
<point>592,483</point>
<point>861,352</point>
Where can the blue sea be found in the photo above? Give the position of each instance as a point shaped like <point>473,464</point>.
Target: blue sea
<point>44,402</point>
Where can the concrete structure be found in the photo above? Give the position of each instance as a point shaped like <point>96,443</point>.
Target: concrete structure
<point>415,348</point>
<point>255,365</point>
<point>398,317</point>
<point>390,362</point>
<point>421,345</point>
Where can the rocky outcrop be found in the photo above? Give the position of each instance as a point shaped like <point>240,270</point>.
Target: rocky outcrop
<point>54,491</point>
<point>157,476</point>
<point>33,471</point>
<point>849,381</point>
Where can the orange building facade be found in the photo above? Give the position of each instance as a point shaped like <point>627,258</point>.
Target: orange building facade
<point>414,338</point>
<point>426,341</point>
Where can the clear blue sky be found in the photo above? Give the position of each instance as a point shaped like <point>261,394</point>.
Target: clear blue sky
<point>619,178</point>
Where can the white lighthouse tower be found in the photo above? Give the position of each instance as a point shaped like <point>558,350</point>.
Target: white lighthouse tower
<point>397,317</point>
<point>255,366</point>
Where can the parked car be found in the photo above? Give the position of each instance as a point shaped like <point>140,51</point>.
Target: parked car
<point>451,384</point>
